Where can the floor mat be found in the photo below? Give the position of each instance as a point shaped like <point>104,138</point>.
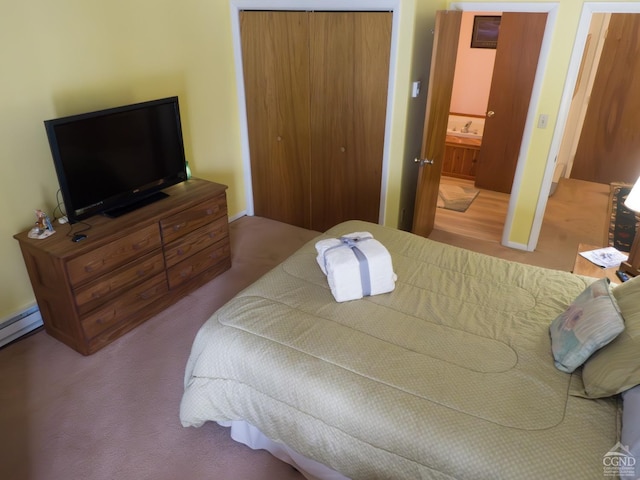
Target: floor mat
<point>455,197</point>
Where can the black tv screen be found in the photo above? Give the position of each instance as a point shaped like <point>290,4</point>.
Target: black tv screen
<point>115,160</point>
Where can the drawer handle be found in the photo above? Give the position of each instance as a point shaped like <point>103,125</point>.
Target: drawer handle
<point>139,245</point>
<point>178,226</point>
<point>106,318</point>
<point>186,272</point>
<point>90,266</point>
<point>179,252</point>
<point>100,293</point>
<point>144,271</point>
<point>148,294</point>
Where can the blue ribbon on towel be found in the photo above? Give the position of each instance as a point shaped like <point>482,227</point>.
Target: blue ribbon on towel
<point>363,263</point>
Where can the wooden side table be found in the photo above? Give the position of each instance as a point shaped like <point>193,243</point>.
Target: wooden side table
<point>582,266</point>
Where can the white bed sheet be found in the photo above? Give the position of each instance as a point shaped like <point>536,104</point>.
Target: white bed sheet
<point>249,435</point>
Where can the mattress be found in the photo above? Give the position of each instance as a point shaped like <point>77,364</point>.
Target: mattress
<point>450,376</point>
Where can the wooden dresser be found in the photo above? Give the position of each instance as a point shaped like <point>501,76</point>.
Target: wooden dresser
<point>130,268</point>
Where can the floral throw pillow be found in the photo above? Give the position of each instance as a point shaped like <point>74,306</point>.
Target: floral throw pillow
<point>588,324</point>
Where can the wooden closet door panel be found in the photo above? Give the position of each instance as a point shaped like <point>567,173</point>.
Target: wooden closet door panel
<point>276,76</point>
<point>609,146</point>
<point>349,70</point>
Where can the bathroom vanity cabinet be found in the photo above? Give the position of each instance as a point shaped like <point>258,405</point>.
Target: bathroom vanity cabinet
<point>460,157</point>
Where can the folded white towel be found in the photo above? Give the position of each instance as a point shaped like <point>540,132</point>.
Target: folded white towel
<point>343,269</point>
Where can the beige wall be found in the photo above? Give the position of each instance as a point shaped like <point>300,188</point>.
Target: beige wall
<point>66,56</point>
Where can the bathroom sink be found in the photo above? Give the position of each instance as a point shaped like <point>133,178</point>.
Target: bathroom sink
<point>470,134</point>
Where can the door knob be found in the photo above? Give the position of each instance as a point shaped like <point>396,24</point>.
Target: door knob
<point>490,113</point>
<point>423,161</point>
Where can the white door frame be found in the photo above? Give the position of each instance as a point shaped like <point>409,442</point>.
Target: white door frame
<point>309,5</point>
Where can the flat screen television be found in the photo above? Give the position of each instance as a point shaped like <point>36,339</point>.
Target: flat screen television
<point>113,161</point>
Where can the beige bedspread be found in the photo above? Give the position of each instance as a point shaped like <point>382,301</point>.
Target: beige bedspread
<point>448,376</point>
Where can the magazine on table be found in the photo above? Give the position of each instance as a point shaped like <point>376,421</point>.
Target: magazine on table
<point>606,257</point>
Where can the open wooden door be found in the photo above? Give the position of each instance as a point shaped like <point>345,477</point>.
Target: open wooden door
<point>514,72</point>
<point>443,63</point>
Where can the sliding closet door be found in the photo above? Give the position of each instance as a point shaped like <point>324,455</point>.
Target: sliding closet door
<point>275,53</point>
<point>349,70</point>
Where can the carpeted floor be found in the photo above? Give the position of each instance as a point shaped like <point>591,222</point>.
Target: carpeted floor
<point>114,415</point>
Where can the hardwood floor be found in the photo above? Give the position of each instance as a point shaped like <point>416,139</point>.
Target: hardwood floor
<point>483,220</point>
<point>576,213</point>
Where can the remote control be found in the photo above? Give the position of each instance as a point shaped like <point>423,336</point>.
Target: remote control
<point>622,276</point>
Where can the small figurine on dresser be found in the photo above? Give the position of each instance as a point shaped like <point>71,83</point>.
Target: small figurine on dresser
<point>43,227</point>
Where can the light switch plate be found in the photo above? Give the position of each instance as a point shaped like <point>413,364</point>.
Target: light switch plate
<point>415,88</point>
<point>543,119</point>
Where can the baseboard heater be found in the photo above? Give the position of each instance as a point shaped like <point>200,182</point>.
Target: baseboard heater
<point>20,324</point>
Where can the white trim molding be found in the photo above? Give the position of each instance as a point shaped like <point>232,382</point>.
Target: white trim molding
<point>20,324</point>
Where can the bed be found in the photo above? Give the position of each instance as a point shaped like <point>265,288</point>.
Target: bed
<point>449,376</point>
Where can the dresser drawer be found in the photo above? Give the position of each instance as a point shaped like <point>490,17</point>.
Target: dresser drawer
<point>105,287</point>
<point>198,263</point>
<point>124,306</point>
<point>111,256</point>
<point>195,241</point>
<point>193,218</point>
<point>93,292</point>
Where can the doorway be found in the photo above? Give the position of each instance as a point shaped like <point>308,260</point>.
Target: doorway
<point>504,94</point>
<point>573,75</point>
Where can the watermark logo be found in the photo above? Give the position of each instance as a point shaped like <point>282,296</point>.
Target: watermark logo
<point>619,462</point>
